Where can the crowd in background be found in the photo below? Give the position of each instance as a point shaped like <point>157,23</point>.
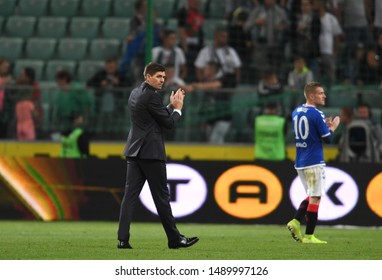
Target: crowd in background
<point>271,46</point>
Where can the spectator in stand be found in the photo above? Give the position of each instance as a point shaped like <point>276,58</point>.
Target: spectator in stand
<point>5,101</point>
<point>241,41</point>
<point>233,7</point>
<point>362,138</point>
<point>329,42</point>
<point>25,116</point>
<point>169,54</point>
<point>70,98</point>
<point>377,18</point>
<point>27,78</point>
<point>352,73</point>
<point>297,79</point>
<point>268,24</point>
<point>346,116</point>
<point>356,19</point>
<point>108,84</point>
<point>270,90</point>
<point>216,104</point>
<point>223,55</point>
<point>191,34</point>
<point>305,36</point>
<point>133,60</point>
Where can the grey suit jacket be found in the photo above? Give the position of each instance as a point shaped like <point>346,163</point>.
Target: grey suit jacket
<point>148,117</point>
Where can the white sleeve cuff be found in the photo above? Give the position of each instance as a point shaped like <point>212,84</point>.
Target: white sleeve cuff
<point>179,111</point>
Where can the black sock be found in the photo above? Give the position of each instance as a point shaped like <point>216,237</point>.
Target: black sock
<point>301,211</point>
<point>311,218</point>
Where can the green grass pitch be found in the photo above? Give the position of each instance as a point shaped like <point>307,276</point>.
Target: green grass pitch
<point>35,240</point>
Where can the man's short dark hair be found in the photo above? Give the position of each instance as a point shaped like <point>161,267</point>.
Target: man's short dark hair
<point>63,75</point>
<point>153,68</point>
<point>30,73</point>
<point>311,87</point>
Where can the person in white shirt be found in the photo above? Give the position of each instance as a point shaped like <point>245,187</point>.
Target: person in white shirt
<point>169,54</point>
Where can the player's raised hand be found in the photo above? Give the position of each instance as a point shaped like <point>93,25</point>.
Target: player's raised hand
<point>332,123</point>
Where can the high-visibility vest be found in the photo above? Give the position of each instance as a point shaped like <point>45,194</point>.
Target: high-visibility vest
<point>69,145</point>
<point>269,137</point>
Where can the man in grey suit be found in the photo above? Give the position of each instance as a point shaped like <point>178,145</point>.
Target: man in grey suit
<point>146,155</point>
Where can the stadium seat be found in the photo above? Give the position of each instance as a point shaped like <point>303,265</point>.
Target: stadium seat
<point>36,8</point>
<point>172,23</point>
<point>115,28</point>
<point>53,66</point>
<point>84,27</point>
<point>64,8</point>
<point>7,7</point>
<point>36,64</point>
<point>40,48</point>
<point>72,49</point>
<point>52,27</point>
<point>11,48</point>
<point>20,26</point>
<point>96,8</point>
<point>166,9</point>
<point>123,8</point>
<point>214,9</point>
<point>1,24</point>
<point>87,68</point>
<point>102,49</point>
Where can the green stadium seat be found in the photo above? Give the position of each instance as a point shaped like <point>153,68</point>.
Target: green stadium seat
<point>20,26</point>
<point>1,24</point>
<point>115,28</point>
<point>52,27</point>
<point>40,48</point>
<point>36,64</point>
<point>11,48</point>
<point>165,9</point>
<point>84,27</point>
<point>96,8</point>
<point>72,49</point>
<point>102,49</point>
<point>64,8</point>
<point>7,7</point>
<point>172,23</point>
<point>53,66</point>
<point>87,68</point>
<point>36,8</point>
<point>214,9</point>
<point>123,8</point>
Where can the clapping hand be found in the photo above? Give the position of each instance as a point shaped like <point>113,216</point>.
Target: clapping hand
<point>176,99</point>
<point>332,123</point>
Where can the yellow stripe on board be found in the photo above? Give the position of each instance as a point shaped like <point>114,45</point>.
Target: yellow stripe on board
<point>174,151</point>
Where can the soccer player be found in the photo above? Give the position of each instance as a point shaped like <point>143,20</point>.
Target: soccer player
<point>311,128</point>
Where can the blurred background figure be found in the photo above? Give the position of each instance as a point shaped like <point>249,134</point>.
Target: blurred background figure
<point>167,53</point>
<point>25,117</point>
<point>270,131</point>
<point>75,141</point>
<point>298,77</point>
<point>362,138</point>
<point>108,84</point>
<point>30,88</point>
<point>270,89</point>
<point>6,110</point>
<point>216,103</point>
<point>191,35</point>
<point>70,98</point>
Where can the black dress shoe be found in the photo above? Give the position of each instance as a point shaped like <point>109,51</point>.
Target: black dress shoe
<point>183,242</point>
<point>124,245</point>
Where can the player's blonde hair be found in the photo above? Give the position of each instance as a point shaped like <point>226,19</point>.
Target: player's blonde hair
<point>311,88</point>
